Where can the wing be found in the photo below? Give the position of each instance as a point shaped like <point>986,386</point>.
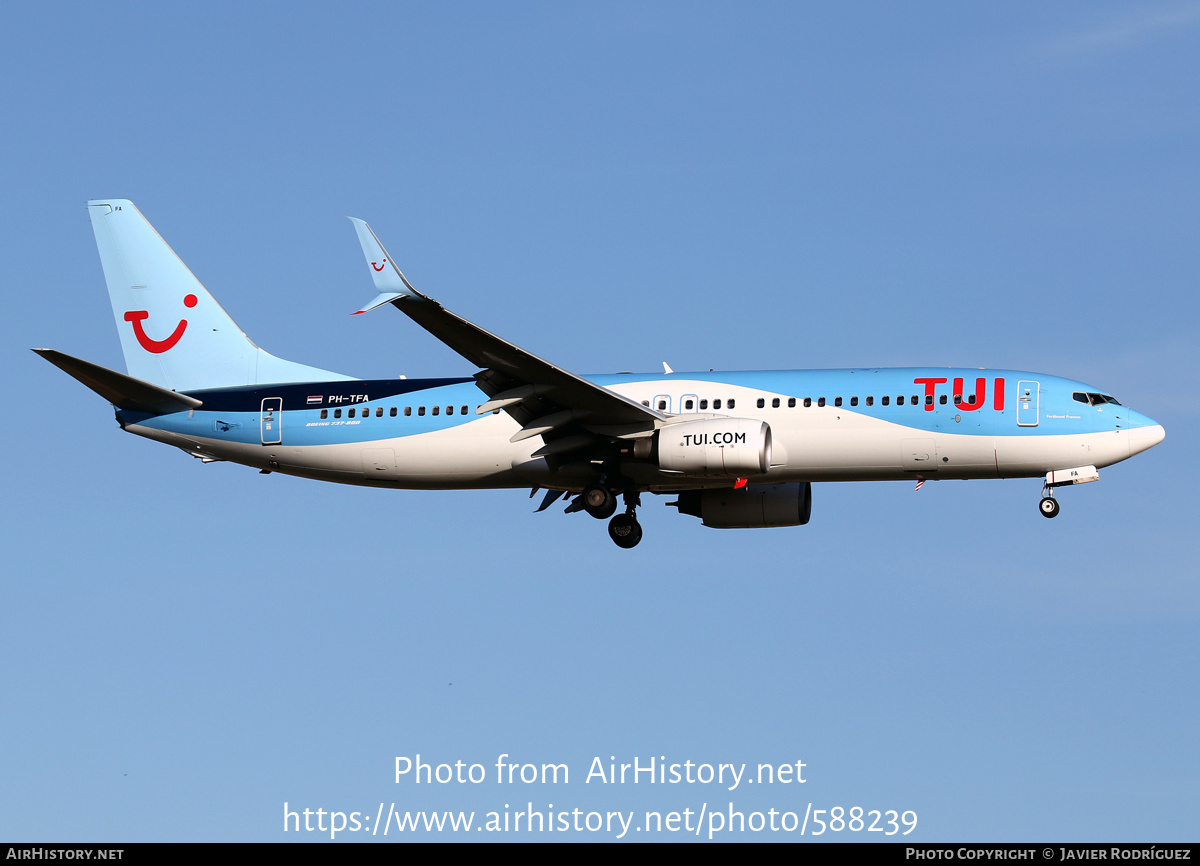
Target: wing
<point>570,413</point>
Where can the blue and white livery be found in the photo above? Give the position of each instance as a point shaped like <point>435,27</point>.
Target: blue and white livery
<point>738,449</point>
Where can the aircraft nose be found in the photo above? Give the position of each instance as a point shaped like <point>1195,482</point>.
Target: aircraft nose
<point>1143,438</point>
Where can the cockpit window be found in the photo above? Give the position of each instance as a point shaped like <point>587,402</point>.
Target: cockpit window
<point>1093,399</point>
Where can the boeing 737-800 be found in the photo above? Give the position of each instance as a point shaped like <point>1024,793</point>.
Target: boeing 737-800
<point>738,449</point>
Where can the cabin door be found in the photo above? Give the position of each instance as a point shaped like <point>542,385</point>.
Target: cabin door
<point>270,421</point>
<point>1028,398</point>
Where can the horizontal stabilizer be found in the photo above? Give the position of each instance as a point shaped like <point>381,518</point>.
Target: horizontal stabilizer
<point>124,392</point>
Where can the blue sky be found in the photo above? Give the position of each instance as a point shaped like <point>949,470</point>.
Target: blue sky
<point>187,647</point>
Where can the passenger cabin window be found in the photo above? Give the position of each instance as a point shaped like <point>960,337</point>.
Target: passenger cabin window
<point>462,410</point>
<point>350,414</point>
<point>716,404</point>
<point>420,410</point>
<point>407,411</point>
<point>762,403</point>
<point>914,399</point>
<point>820,401</point>
<point>808,402</point>
<point>729,404</point>
<point>791,402</point>
<point>870,401</point>
<point>703,404</point>
<point>392,412</point>
<point>688,404</point>
<point>662,405</point>
<point>646,403</point>
<point>853,401</point>
<point>942,399</point>
<point>337,413</point>
<point>324,414</point>
<point>928,399</point>
<point>436,409</point>
<point>886,400</point>
<point>774,402</point>
<point>837,401</point>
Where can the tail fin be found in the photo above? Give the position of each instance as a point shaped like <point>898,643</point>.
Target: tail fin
<point>173,332</point>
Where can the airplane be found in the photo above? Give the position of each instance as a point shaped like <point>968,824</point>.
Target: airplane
<point>737,449</point>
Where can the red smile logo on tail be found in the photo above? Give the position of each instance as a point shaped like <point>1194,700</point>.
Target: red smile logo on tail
<point>135,317</point>
<point>381,264</point>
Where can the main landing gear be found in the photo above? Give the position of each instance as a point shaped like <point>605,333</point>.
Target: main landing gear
<point>600,502</point>
<point>624,529</point>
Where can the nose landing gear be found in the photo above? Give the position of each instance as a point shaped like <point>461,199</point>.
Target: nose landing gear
<point>1049,505</point>
<point>1061,478</point>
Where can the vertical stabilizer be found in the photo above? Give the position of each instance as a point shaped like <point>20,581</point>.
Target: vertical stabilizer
<point>173,332</point>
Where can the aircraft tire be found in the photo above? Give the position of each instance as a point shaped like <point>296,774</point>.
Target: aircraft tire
<point>600,502</point>
<point>1049,506</point>
<point>625,531</point>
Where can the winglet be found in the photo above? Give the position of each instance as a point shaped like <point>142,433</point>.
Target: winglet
<point>378,301</point>
<point>389,281</point>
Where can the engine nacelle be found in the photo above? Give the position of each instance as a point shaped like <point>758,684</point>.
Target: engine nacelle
<point>757,507</point>
<point>734,447</point>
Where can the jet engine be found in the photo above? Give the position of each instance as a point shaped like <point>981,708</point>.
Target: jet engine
<point>757,507</point>
<point>734,447</point>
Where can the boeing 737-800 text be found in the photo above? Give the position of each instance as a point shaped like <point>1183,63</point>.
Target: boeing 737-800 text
<point>738,449</point>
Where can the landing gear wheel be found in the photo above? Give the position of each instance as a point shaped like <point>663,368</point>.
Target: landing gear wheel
<point>1049,506</point>
<point>625,530</point>
<point>599,501</point>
